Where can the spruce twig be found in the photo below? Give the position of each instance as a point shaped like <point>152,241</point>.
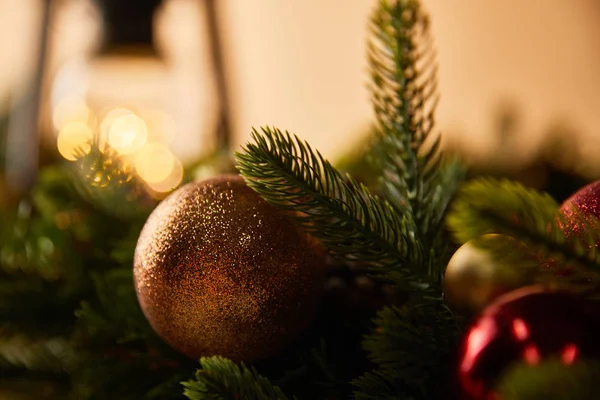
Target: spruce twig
<point>425,325</point>
<point>351,223</point>
<point>105,181</point>
<point>485,206</point>
<point>420,186</point>
<point>403,70</point>
<point>222,379</point>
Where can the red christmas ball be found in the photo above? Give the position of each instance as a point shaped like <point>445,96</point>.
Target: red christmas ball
<point>580,210</point>
<point>525,326</point>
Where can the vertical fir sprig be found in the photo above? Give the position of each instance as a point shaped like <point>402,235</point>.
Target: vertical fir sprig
<point>420,185</point>
<point>403,73</point>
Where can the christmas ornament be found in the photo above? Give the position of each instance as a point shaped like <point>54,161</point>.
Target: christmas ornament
<point>525,326</point>
<point>473,278</point>
<point>579,213</point>
<point>219,271</point>
<point>580,210</point>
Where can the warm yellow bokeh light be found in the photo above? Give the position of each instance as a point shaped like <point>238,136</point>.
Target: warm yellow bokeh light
<point>127,134</point>
<point>72,138</point>
<point>70,109</point>
<point>154,163</point>
<point>110,117</point>
<point>171,181</point>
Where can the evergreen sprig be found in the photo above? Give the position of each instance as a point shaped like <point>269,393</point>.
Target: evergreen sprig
<point>403,73</point>
<point>108,183</point>
<point>425,325</point>
<point>352,223</point>
<point>118,353</point>
<point>222,379</point>
<point>397,231</point>
<point>487,206</point>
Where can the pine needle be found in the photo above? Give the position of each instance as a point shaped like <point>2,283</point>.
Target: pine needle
<point>425,325</point>
<point>486,206</point>
<point>403,71</point>
<point>351,223</point>
<point>222,379</point>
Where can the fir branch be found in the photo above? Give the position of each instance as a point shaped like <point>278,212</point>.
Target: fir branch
<point>351,223</point>
<point>412,347</point>
<point>222,379</point>
<point>34,246</point>
<point>443,190</point>
<point>378,385</point>
<point>119,355</point>
<point>552,380</point>
<point>486,206</point>
<point>41,276</point>
<point>403,72</point>
<point>104,180</point>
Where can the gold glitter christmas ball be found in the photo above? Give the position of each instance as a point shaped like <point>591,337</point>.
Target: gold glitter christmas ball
<point>219,271</point>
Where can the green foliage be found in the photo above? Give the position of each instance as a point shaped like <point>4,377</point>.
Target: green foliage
<point>425,325</point>
<point>69,246</point>
<point>63,244</point>
<point>485,206</point>
<point>380,385</point>
<point>350,222</point>
<point>222,379</point>
<point>107,183</point>
<point>552,380</point>
<point>403,85</point>
<point>119,353</point>
<point>401,235</point>
<point>488,205</point>
<point>40,274</point>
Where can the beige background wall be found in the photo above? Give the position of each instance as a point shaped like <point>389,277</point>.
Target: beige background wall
<point>300,64</point>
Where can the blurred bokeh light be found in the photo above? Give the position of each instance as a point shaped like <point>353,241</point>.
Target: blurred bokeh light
<point>73,138</point>
<point>301,66</point>
<point>70,109</point>
<point>127,134</point>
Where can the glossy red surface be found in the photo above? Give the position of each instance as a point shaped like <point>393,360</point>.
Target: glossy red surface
<point>525,326</point>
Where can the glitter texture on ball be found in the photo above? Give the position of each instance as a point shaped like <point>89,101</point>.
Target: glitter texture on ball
<point>584,204</point>
<point>219,271</point>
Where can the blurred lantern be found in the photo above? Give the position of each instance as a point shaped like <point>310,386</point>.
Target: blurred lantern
<point>127,97</point>
<point>22,139</point>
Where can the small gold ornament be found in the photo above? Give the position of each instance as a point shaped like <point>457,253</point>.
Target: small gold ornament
<point>219,271</point>
<point>473,278</point>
